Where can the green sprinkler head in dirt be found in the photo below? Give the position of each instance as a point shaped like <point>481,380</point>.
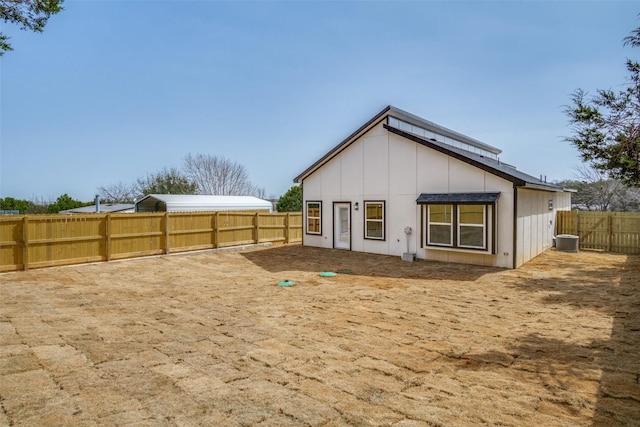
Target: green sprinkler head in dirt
<point>286,283</point>
<point>327,274</point>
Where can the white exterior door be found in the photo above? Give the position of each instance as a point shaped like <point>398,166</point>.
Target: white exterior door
<point>342,225</point>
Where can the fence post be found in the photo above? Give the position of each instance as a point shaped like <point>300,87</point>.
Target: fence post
<point>217,227</point>
<point>107,231</point>
<point>25,243</point>
<point>257,227</point>
<point>286,228</point>
<point>213,229</point>
<point>609,230</point>
<point>575,223</point>
<point>166,233</point>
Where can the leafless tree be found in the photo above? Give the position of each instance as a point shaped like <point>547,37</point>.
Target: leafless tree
<point>600,191</point>
<point>165,181</point>
<point>628,201</point>
<point>118,193</point>
<point>38,205</point>
<point>596,191</point>
<point>258,192</point>
<point>219,176</point>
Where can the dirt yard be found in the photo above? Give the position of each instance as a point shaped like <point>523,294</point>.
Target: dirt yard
<point>211,339</point>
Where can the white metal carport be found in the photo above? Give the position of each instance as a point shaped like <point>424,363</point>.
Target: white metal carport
<point>193,203</point>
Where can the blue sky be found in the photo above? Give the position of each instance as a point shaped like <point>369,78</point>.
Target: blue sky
<point>113,90</point>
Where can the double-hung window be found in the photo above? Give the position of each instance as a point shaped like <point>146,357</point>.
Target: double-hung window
<point>464,221</point>
<point>472,226</point>
<point>374,220</point>
<point>314,217</point>
<point>440,225</point>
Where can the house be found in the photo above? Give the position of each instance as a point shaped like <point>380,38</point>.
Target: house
<point>192,203</point>
<point>403,185</point>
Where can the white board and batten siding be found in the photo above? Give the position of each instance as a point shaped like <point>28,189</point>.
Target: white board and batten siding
<point>536,221</point>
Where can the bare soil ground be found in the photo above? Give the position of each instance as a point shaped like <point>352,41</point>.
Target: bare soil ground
<point>210,339</point>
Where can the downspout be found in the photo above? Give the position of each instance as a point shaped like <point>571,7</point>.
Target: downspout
<point>515,224</point>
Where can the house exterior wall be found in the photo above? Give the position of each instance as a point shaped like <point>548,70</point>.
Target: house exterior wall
<point>443,174</point>
<point>375,164</point>
<point>536,221</point>
<point>562,202</point>
<point>384,166</point>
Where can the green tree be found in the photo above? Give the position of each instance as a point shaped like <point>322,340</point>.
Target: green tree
<point>606,127</point>
<point>291,201</point>
<point>10,204</point>
<point>65,202</point>
<point>28,14</point>
<point>24,206</point>
<point>166,181</point>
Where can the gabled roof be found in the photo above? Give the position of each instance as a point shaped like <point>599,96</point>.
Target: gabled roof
<point>441,139</point>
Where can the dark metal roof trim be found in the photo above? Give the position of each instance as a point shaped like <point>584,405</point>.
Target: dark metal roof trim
<point>494,167</point>
<point>449,152</point>
<point>467,198</point>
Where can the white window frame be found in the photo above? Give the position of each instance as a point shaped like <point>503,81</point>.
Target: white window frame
<point>319,218</point>
<point>367,220</point>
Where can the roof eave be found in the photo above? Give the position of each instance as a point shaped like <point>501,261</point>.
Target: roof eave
<point>543,186</point>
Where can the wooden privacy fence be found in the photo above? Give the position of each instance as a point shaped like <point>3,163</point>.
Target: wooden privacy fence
<point>608,231</point>
<point>33,241</point>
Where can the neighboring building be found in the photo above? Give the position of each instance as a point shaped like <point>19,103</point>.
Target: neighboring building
<point>399,171</point>
<point>192,203</point>
<point>103,208</point>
